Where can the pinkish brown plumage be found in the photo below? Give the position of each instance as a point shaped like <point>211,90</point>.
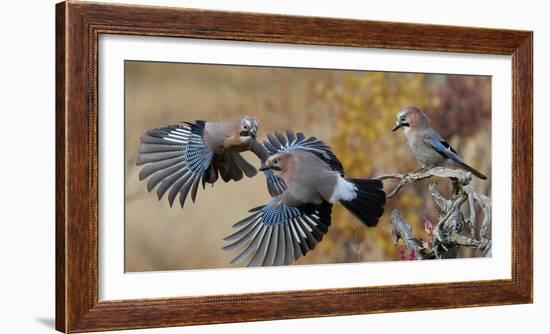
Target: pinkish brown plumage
<point>291,224</point>
<point>426,144</point>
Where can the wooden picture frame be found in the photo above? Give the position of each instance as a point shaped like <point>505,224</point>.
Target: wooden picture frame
<point>78,27</point>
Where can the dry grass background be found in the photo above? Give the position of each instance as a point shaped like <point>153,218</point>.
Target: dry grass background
<point>353,111</point>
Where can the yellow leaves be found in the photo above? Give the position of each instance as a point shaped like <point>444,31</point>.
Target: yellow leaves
<point>329,94</point>
<point>410,200</point>
<point>356,102</point>
<point>367,104</point>
<point>363,107</point>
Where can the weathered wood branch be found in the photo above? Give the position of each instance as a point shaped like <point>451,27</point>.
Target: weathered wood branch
<point>449,233</point>
<point>461,176</point>
<point>400,230</point>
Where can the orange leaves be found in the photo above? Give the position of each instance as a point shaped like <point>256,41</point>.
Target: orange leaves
<point>366,104</point>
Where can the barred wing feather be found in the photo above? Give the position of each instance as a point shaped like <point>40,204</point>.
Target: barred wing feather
<point>281,143</point>
<point>279,234</point>
<point>174,159</point>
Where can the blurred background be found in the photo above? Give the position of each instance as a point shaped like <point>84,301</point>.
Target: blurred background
<point>352,111</point>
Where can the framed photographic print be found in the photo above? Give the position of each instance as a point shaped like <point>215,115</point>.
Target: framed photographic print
<point>222,166</point>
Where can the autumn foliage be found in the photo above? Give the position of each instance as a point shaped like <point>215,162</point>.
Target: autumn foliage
<point>352,111</point>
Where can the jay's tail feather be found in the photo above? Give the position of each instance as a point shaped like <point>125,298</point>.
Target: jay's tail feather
<point>471,170</point>
<point>368,206</point>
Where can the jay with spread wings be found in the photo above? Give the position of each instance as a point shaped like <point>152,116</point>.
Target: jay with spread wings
<point>303,176</point>
<point>177,158</point>
<point>294,222</point>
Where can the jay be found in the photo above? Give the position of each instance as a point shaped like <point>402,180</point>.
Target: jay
<point>426,144</point>
<point>295,220</point>
<point>179,157</point>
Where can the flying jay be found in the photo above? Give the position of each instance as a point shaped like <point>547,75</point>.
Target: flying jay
<point>293,222</point>
<point>179,157</point>
<point>426,144</point>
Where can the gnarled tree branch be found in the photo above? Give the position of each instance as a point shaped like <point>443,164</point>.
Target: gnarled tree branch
<point>449,234</point>
<point>400,230</point>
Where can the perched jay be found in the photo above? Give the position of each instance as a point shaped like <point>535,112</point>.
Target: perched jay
<point>426,144</point>
<point>292,223</point>
<point>179,157</point>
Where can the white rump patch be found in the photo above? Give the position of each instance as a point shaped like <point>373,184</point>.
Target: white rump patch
<point>344,191</point>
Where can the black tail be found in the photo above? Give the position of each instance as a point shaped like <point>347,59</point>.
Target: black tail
<point>473,171</point>
<point>368,206</point>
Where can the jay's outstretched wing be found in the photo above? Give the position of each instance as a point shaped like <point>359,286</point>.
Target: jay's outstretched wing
<point>281,143</point>
<point>278,234</point>
<point>175,158</point>
<point>275,185</point>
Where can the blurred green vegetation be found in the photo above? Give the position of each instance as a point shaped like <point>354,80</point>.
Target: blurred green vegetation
<point>352,111</point>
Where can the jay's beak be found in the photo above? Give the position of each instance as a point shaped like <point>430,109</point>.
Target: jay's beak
<point>399,126</point>
<point>263,168</point>
<point>248,134</point>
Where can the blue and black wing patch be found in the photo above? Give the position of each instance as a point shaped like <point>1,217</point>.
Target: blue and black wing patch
<point>175,158</point>
<point>444,149</point>
<point>447,152</point>
<point>281,143</point>
<point>275,185</point>
<point>279,234</point>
